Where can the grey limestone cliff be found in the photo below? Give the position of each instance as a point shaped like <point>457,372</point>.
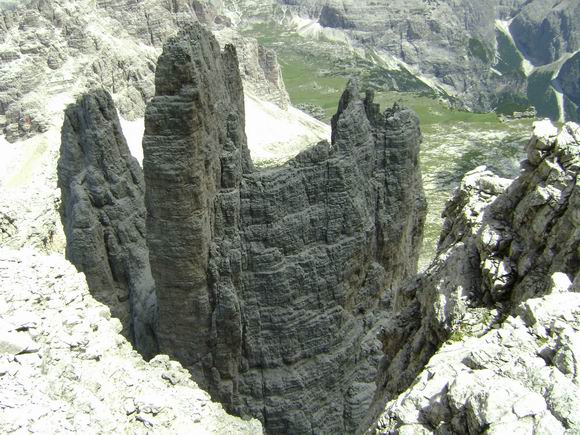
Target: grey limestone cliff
<point>103,214</point>
<point>476,51</point>
<point>52,51</point>
<point>502,295</point>
<point>270,283</point>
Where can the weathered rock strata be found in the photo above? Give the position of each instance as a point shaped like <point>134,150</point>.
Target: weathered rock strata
<point>269,283</point>
<point>103,214</point>
<point>507,257</point>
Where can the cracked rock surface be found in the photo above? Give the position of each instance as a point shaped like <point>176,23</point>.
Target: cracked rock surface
<point>270,283</point>
<point>64,367</point>
<point>103,215</point>
<point>502,295</point>
<point>52,51</point>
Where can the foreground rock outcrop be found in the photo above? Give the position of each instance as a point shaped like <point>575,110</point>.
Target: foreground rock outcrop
<point>64,367</point>
<point>269,283</point>
<point>504,288</point>
<point>103,214</point>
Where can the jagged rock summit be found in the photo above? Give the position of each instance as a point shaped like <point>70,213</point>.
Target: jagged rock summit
<point>273,285</point>
<point>52,51</point>
<point>269,283</point>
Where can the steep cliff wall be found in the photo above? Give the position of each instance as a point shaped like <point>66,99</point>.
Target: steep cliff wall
<point>103,214</point>
<point>499,295</point>
<point>481,52</point>
<point>269,283</point>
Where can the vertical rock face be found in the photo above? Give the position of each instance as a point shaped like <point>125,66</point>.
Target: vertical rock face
<point>269,283</point>
<point>194,146</point>
<point>103,214</point>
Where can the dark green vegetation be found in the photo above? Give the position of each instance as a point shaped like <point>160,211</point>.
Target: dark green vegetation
<point>479,50</point>
<point>572,111</point>
<point>316,72</point>
<point>509,59</point>
<point>541,93</point>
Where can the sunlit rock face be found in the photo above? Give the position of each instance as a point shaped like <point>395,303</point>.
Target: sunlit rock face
<point>485,339</point>
<point>269,283</point>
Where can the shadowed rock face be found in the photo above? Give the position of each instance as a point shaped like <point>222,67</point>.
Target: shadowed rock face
<point>103,214</point>
<point>332,17</point>
<point>269,283</point>
<point>194,146</point>
<point>546,29</point>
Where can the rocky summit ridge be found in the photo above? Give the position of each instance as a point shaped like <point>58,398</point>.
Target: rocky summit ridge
<point>495,318</point>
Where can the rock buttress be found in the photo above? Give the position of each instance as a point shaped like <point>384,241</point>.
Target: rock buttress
<point>103,214</point>
<point>270,283</point>
<point>194,147</point>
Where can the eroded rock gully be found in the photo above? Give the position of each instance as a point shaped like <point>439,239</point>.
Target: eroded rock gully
<point>269,282</point>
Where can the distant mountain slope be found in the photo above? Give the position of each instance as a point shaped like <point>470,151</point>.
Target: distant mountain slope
<point>457,47</point>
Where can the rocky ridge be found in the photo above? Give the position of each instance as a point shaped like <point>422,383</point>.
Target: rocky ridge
<point>269,283</point>
<point>503,288</point>
<point>52,51</point>
<point>64,367</point>
<point>501,295</point>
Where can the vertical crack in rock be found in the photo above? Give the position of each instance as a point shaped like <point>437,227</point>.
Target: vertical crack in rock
<point>103,214</point>
<point>269,283</point>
